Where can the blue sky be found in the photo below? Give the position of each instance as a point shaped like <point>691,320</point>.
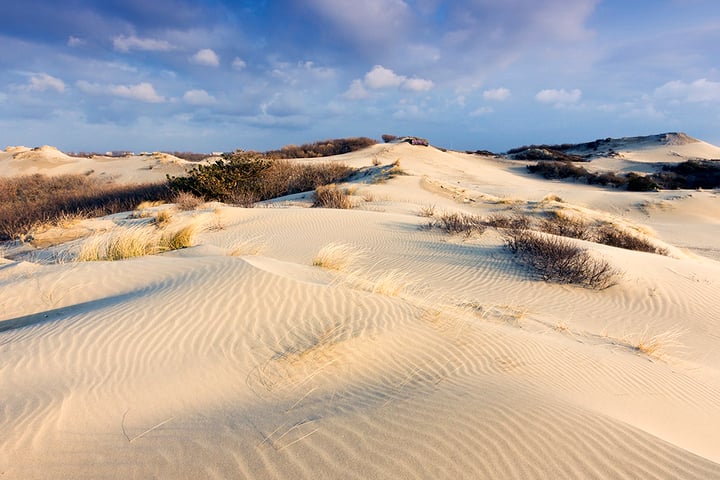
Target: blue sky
<point>468,74</point>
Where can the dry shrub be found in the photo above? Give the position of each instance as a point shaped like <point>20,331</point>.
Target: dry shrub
<point>566,226</point>
<point>162,218</point>
<point>608,234</point>
<point>456,223</point>
<point>427,211</point>
<point>187,201</point>
<point>516,221</point>
<point>28,201</point>
<point>330,196</point>
<point>558,260</point>
<point>323,148</point>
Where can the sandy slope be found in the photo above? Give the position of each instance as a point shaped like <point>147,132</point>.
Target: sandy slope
<point>428,357</point>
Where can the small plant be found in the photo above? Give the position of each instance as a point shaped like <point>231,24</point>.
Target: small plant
<point>181,238</point>
<point>427,211</point>
<point>330,196</point>
<point>566,225</point>
<point>162,218</point>
<point>336,256</point>
<point>514,221</point>
<point>558,260</point>
<point>456,223</point>
<point>187,201</point>
<point>608,234</point>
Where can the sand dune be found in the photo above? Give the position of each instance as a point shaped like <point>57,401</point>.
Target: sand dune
<point>425,356</point>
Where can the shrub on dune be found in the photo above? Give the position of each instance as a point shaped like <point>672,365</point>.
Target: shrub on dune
<point>330,196</point>
<point>558,260</point>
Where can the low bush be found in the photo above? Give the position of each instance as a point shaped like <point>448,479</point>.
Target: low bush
<point>557,170</point>
<point>610,235</point>
<point>558,260</point>
<point>29,201</point>
<point>330,196</point>
<point>324,148</point>
<point>460,223</point>
<point>566,226</point>
<point>641,183</point>
<point>247,177</point>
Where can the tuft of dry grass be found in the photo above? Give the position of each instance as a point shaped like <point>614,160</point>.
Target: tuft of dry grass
<point>187,201</point>
<point>330,196</point>
<point>181,238</point>
<point>658,346</point>
<point>427,211</point>
<point>135,241</point>
<point>162,218</point>
<point>336,256</point>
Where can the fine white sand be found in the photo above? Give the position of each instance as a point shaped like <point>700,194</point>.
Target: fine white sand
<point>424,355</point>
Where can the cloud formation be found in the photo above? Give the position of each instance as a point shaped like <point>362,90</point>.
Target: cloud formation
<point>380,78</point>
<point>497,94</point>
<point>125,44</point>
<point>559,97</point>
<point>698,91</point>
<point>206,57</point>
<point>43,81</point>
<point>143,92</point>
<point>199,97</point>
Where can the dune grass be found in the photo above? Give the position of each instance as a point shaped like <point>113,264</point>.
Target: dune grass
<point>336,256</point>
<point>135,241</point>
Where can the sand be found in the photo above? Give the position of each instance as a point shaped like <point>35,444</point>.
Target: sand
<point>424,356</point>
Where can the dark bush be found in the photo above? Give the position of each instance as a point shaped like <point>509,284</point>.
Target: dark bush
<point>641,183</point>
<point>387,138</point>
<point>456,223</point>
<point>610,235</point>
<point>691,174</point>
<point>558,260</point>
<point>247,177</point>
<point>236,174</point>
<point>324,148</point>
<point>566,227</point>
<point>553,170</point>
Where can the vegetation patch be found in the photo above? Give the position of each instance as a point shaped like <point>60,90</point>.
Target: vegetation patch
<point>558,260</point>
<point>330,196</point>
<point>324,148</point>
<point>27,202</point>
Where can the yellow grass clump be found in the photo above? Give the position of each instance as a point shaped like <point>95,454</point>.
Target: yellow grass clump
<point>336,256</point>
<point>136,241</point>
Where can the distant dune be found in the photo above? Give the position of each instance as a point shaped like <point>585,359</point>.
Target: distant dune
<point>399,338</point>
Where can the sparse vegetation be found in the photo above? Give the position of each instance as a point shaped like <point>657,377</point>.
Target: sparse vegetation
<point>248,177</point>
<point>336,256</point>
<point>135,241</point>
<point>460,223</point>
<point>29,201</point>
<point>187,201</point>
<point>559,260</point>
<point>324,148</point>
<point>330,196</point>
<point>387,138</point>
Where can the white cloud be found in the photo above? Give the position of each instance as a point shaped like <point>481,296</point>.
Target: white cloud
<point>498,94</point>
<point>356,91</point>
<point>206,57</point>
<point>198,97</point>
<point>701,90</point>
<point>559,97</point>
<point>124,44</point>
<point>381,77</point>
<point>143,92</point>
<point>238,63</point>
<point>43,82</point>
<point>482,111</point>
<point>417,85</point>
<point>75,41</point>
